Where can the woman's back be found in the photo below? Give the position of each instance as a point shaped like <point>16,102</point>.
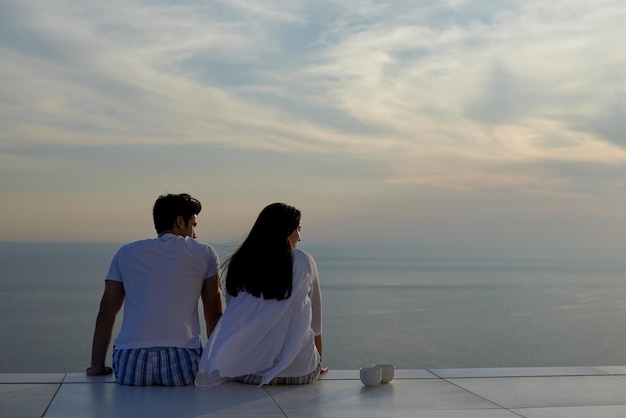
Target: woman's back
<point>267,337</point>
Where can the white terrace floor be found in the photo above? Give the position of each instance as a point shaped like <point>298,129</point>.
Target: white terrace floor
<point>567,392</point>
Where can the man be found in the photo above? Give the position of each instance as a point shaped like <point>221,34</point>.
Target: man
<point>161,280</point>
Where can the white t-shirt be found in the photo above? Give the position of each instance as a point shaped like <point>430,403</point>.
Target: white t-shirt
<point>268,338</point>
<point>163,280</point>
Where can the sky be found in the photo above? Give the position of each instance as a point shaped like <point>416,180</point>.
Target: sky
<point>456,122</point>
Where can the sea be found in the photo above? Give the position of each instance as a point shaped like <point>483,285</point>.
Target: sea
<point>415,306</point>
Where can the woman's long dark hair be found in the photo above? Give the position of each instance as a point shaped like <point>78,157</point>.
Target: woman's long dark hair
<point>263,264</point>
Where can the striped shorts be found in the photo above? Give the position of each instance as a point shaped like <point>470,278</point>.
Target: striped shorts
<point>297,380</point>
<point>164,366</point>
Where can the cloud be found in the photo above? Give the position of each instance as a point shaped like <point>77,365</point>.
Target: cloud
<point>509,87</point>
<point>457,94</point>
<point>611,124</point>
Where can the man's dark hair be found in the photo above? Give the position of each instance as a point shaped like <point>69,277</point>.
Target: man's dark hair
<point>169,206</point>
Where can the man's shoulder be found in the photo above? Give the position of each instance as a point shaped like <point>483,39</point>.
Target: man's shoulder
<point>182,244</point>
<point>138,244</point>
<point>193,242</point>
<point>196,248</point>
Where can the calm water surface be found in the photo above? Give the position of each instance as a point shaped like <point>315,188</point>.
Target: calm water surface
<point>416,307</point>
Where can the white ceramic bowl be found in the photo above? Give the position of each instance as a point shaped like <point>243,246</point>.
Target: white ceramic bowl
<point>370,376</point>
<point>388,371</point>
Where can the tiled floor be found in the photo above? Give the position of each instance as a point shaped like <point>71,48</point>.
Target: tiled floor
<point>573,392</point>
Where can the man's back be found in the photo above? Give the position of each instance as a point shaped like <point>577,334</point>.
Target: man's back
<point>162,278</point>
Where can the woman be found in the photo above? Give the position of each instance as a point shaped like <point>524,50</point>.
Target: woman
<point>271,330</point>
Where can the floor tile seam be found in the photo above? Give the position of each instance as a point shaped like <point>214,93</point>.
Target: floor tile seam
<point>599,369</point>
<point>498,406</point>
<point>90,383</point>
<point>515,409</point>
<point>31,383</point>
<point>520,409</point>
<point>56,392</point>
<point>431,371</point>
<point>536,376</point>
<point>34,381</point>
<point>274,400</point>
<point>528,376</point>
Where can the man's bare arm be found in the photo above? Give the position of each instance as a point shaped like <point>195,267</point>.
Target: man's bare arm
<point>212,301</point>
<point>110,305</point>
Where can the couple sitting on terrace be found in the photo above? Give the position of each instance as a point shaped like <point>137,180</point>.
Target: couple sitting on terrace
<point>269,333</point>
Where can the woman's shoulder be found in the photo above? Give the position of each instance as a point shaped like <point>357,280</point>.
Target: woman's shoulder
<point>298,253</point>
<point>300,256</point>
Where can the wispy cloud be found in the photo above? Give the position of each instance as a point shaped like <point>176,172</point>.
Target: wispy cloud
<point>458,94</point>
<point>515,85</point>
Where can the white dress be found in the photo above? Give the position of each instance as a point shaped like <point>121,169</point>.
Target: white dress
<point>268,338</point>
